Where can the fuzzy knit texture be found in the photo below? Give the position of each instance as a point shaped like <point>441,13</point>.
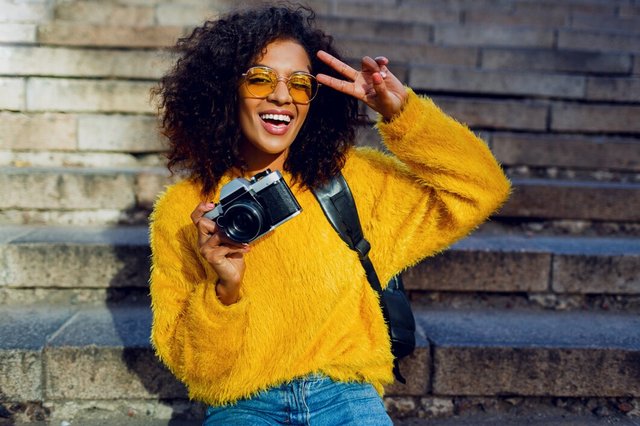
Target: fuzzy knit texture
<point>306,305</point>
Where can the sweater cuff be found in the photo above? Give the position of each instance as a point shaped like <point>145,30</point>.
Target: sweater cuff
<point>217,308</point>
<point>210,297</point>
<point>406,119</point>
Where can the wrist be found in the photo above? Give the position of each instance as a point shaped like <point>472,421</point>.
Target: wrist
<point>227,294</point>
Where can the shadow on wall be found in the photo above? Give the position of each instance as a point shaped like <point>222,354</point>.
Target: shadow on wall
<point>153,392</point>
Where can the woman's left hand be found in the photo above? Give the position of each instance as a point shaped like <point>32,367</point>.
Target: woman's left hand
<point>374,85</point>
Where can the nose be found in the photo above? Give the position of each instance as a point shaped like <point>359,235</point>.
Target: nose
<point>281,93</point>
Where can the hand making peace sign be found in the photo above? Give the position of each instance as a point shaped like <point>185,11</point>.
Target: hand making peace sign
<point>374,85</point>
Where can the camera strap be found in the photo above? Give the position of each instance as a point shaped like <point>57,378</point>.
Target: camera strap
<point>337,202</point>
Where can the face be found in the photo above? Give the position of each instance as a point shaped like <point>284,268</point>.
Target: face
<point>270,125</point>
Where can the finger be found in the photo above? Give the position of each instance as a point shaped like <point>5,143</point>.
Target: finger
<point>206,229</point>
<point>369,65</point>
<point>200,210</point>
<point>337,65</point>
<point>218,256</point>
<point>220,238</point>
<point>382,60</point>
<point>337,84</point>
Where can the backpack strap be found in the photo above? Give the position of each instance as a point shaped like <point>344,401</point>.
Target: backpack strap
<point>337,202</point>
<point>338,205</point>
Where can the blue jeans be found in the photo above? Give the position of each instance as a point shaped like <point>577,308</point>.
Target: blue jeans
<point>313,400</point>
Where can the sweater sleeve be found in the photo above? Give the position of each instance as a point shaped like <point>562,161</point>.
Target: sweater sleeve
<point>441,183</point>
<point>186,311</point>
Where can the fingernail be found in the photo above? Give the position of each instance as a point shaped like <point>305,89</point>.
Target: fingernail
<point>383,74</point>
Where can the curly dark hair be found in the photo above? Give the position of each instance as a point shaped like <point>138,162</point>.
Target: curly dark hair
<point>199,97</point>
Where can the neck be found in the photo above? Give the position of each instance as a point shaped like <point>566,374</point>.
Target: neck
<point>258,161</point>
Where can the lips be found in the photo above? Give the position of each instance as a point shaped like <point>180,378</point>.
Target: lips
<point>276,122</point>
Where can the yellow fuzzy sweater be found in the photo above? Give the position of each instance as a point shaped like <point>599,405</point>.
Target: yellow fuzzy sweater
<point>306,305</point>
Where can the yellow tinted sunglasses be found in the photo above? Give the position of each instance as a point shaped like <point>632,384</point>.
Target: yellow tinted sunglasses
<point>261,81</point>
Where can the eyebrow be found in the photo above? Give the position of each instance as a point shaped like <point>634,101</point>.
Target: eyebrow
<point>271,68</point>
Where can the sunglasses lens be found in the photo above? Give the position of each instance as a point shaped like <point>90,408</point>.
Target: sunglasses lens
<point>302,87</point>
<point>260,82</point>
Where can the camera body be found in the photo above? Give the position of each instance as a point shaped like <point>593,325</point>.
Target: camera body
<point>248,209</point>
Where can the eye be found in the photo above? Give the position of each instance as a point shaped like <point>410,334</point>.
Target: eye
<point>259,77</point>
<point>301,82</point>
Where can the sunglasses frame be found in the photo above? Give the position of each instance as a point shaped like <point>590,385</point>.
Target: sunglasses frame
<point>286,80</point>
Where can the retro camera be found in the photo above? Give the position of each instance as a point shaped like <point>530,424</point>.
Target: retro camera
<point>249,209</point>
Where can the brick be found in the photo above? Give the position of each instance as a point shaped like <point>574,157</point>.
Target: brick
<point>469,269</point>
<point>595,118</point>
<point>179,15</point>
<point>24,331</point>
<point>130,133</point>
<point>535,372</point>
<point>560,61</point>
<point>121,411</point>
<point>590,40</point>
<point>556,199</point>
<point>20,375</point>
<point>399,13</point>
<point>515,18</point>
<point>602,8</point>
<point>13,94</point>
<point>94,258</point>
<point>617,89</point>
<point>516,83</point>
<point>495,352</point>
<point>567,151</point>
<point>114,36</point>
<point>600,23</point>
<point>418,53</point>
<point>105,13</point>
<point>496,114</point>
<point>628,11</point>
<point>567,8</point>
<point>416,368</point>
<point>117,339</point>
<point>37,131</point>
<point>368,136</point>
<point>99,160</point>
<point>97,217</point>
<point>17,33</point>
<point>20,11</point>
<point>484,35</point>
<point>66,189</point>
<point>11,296</point>
<point>64,62</point>
<point>598,273</point>
<point>148,185</point>
<point>50,94</point>
<point>365,29</point>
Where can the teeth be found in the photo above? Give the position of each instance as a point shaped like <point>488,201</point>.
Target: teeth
<point>277,117</point>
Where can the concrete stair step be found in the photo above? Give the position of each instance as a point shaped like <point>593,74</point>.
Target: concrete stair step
<point>567,199</point>
<point>570,151</point>
<point>125,195</point>
<point>80,195</point>
<point>106,264</point>
<point>487,353</point>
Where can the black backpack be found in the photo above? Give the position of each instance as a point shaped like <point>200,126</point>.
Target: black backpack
<point>338,205</point>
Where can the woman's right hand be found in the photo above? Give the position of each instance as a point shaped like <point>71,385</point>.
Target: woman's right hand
<point>224,255</point>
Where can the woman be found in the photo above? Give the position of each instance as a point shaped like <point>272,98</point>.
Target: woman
<point>287,329</point>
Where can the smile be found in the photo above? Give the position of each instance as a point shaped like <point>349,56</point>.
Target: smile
<point>276,118</point>
<point>275,124</point>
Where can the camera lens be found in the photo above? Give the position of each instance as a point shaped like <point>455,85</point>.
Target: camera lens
<point>243,221</point>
